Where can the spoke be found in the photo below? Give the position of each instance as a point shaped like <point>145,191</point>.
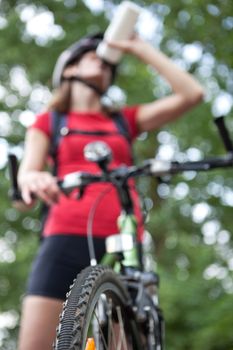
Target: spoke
<point>122,332</point>
<point>100,331</point>
<point>109,313</point>
<point>114,329</point>
<point>111,333</point>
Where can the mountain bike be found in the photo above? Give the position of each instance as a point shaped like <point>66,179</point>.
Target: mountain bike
<point>114,305</point>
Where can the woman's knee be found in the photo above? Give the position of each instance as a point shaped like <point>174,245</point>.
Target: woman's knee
<point>40,317</point>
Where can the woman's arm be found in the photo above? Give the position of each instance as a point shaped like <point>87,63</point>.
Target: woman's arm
<point>187,92</point>
<point>31,177</point>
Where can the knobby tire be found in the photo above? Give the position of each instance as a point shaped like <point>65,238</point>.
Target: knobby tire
<point>94,286</point>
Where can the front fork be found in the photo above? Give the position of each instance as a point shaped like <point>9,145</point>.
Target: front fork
<point>143,287</point>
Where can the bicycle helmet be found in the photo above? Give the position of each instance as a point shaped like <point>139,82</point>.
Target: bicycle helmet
<point>74,53</point>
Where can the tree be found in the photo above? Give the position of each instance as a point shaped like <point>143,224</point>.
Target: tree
<point>191,215</point>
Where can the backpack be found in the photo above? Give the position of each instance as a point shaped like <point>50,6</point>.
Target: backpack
<point>59,129</point>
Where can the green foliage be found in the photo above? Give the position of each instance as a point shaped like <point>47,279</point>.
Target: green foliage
<point>191,219</point>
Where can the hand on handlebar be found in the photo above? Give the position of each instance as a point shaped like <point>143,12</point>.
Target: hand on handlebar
<point>40,184</point>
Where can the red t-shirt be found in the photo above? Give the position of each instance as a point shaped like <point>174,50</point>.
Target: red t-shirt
<point>70,215</point>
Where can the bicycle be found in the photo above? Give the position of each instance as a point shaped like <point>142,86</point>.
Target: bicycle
<point>101,298</point>
<point>116,306</point>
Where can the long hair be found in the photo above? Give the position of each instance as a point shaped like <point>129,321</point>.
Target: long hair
<point>61,99</point>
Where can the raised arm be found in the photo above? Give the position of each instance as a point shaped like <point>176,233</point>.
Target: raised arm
<point>31,177</point>
<point>186,91</point>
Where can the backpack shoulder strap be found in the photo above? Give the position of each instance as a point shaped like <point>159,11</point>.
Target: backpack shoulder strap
<point>58,121</point>
<point>121,124</point>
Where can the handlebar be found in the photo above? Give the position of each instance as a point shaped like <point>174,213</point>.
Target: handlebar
<point>119,176</point>
<point>150,167</point>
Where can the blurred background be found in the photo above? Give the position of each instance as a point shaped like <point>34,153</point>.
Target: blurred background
<point>191,215</point>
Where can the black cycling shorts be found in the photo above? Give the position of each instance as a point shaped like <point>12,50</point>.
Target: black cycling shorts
<point>60,258</point>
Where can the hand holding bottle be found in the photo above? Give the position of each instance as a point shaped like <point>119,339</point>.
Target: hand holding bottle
<point>121,28</point>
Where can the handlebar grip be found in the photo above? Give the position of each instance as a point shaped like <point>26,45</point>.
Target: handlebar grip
<point>222,129</point>
<point>77,180</point>
<point>14,192</point>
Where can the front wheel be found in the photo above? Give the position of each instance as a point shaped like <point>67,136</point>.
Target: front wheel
<point>97,315</point>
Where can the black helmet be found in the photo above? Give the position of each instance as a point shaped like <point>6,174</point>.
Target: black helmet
<point>73,53</point>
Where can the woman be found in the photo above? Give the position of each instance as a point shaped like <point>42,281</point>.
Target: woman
<point>81,77</point>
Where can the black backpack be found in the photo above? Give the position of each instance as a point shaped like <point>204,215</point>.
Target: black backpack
<point>59,129</point>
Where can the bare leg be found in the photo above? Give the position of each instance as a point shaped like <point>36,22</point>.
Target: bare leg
<point>40,317</point>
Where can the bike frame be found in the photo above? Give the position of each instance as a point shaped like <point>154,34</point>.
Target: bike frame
<point>127,225</point>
